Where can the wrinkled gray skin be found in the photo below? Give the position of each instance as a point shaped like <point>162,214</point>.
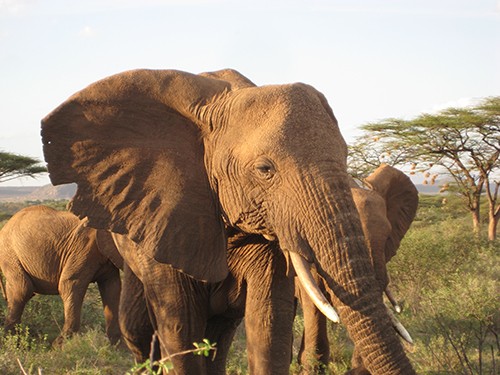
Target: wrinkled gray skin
<point>167,158</point>
<point>387,207</point>
<point>45,251</point>
<point>257,288</point>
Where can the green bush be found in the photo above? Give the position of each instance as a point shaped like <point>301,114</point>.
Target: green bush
<point>89,353</point>
<point>450,284</point>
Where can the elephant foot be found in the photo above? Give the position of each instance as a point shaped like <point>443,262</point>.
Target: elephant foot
<point>58,342</point>
<point>116,340</point>
<point>313,364</point>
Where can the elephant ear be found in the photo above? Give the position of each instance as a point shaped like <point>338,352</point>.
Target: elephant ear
<point>401,197</point>
<point>134,148</point>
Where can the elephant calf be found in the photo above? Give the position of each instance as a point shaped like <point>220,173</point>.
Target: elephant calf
<point>46,251</point>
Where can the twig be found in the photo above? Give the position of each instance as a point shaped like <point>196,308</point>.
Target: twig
<point>21,366</point>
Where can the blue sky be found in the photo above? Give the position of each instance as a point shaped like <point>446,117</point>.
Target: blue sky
<point>372,59</point>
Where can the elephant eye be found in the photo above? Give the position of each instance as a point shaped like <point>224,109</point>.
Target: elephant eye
<point>264,168</point>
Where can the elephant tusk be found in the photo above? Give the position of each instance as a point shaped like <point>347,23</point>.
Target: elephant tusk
<point>400,329</point>
<point>302,269</point>
<point>269,237</point>
<point>392,300</point>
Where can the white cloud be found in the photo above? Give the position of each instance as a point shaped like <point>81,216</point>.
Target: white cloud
<point>459,103</point>
<point>87,32</point>
<point>14,6</point>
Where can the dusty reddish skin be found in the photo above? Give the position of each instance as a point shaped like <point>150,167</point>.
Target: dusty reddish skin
<point>45,251</point>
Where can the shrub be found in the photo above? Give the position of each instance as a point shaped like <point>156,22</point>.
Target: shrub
<point>450,282</point>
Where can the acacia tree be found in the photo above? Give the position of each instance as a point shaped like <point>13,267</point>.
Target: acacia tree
<point>368,152</point>
<point>13,166</point>
<point>463,143</point>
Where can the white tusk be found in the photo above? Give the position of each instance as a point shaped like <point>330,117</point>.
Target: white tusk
<point>302,269</point>
<point>400,329</point>
<point>392,300</point>
<point>269,237</point>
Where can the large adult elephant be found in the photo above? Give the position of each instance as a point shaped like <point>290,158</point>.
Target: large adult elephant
<point>387,207</point>
<point>165,158</point>
<point>46,251</point>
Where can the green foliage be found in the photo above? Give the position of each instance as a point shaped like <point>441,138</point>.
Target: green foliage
<point>8,209</point>
<point>341,349</point>
<point>13,166</point>
<point>153,368</point>
<point>237,358</point>
<point>450,284</point>
<point>165,365</point>
<point>89,353</point>
<point>460,143</point>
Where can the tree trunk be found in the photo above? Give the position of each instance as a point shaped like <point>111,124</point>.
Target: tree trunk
<point>492,224</point>
<point>476,221</point>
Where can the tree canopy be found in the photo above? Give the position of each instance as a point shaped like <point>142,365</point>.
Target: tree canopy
<point>462,143</point>
<point>13,166</point>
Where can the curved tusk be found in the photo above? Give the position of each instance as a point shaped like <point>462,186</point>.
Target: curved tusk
<point>269,237</point>
<point>302,269</point>
<point>400,329</point>
<point>392,300</point>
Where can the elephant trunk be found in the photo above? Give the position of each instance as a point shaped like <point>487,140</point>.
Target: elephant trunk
<point>333,240</point>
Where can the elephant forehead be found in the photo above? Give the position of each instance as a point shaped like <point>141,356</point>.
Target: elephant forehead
<point>275,102</point>
<point>282,118</point>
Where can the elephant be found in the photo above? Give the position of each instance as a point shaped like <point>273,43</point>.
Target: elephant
<point>258,288</point>
<point>46,251</point>
<point>386,208</point>
<point>168,160</point>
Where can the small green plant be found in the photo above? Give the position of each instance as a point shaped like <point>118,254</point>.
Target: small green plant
<point>21,341</point>
<point>165,364</point>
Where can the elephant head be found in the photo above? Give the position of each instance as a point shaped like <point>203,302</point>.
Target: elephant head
<point>169,158</point>
<point>387,207</point>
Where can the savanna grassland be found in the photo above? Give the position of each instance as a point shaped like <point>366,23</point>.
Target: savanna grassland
<point>446,278</point>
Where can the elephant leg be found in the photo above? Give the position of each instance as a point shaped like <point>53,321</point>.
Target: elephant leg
<point>72,293</point>
<point>109,288</point>
<point>19,289</point>
<point>220,330</point>
<point>314,352</point>
<point>269,314</point>
<point>180,306</point>
<point>135,323</point>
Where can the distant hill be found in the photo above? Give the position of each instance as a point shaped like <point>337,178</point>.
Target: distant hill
<point>33,193</point>
<point>428,189</point>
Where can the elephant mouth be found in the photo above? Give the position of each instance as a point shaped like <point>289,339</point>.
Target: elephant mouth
<point>303,272</point>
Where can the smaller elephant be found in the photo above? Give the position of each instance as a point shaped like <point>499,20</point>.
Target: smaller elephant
<point>46,251</point>
<point>386,208</point>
